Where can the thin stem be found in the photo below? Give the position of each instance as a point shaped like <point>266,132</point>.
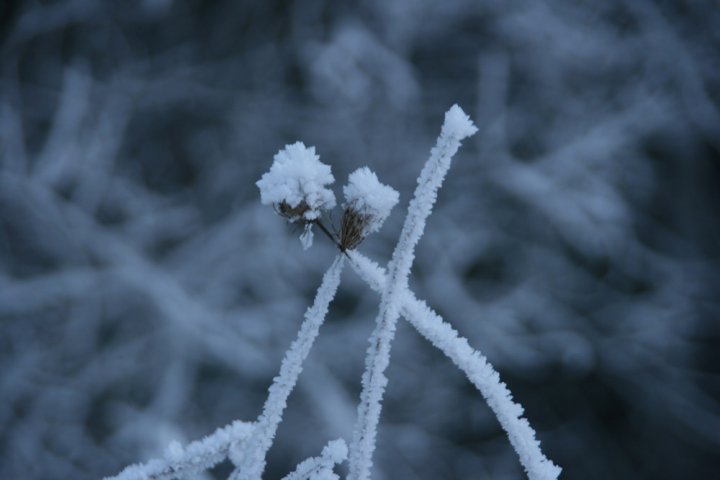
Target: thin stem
<point>253,462</point>
<point>328,234</point>
<point>456,127</point>
<point>332,238</point>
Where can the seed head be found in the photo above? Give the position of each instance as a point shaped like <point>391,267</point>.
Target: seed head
<point>295,184</point>
<point>367,204</point>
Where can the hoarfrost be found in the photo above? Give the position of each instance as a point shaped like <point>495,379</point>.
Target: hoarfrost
<point>197,457</point>
<point>456,127</point>
<point>253,460</point>
<point>475,366</point>
<point>296,183</point>
<point>320,468</point>
<point>367,196</point>
<point>306,238</point>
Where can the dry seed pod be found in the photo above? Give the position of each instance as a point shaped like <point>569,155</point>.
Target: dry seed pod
<point>295,187</point>
<point>367,204</point>
<point>352,228</point>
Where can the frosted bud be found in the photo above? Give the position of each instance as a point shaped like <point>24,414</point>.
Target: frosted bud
<point>367,204</point>
<point>295,184</point>
<point>295,187</point>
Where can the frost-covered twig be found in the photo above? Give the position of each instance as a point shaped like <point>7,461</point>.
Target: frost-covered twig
<point>443,336</point>
<point>196,457</point>
<point>252,461</point>
<point>320,468</point>
<point>456,127</point>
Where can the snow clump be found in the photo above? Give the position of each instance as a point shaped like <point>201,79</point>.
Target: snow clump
<point>295,184</point>
<point>367,204</point>
<point>295,187</point>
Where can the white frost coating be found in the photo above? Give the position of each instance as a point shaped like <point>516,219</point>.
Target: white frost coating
<point>197,457</point>
<point>478,370</point>
<point>458,124</point>
<point>174,451</point>
<point>320,468</point>
<point>336,451</point>
<point>253,460</point>
<point>306,238</point>
<point>297,176</point>
<point>456,127</point>
<point>367,196</point>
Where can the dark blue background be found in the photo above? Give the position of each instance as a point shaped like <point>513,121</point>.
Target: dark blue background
<point>146,296</point>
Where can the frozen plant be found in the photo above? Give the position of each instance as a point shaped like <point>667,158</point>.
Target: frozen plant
<point>367,204</point>
<point>295,187</point>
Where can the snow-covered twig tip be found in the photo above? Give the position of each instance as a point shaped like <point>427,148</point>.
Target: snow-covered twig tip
<point>457,124</point>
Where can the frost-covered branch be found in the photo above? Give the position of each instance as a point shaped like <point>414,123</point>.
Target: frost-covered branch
<point>320,468</point>
<point>252,463</point>
<point>456,127</point>
<point>196,457</point>
<point>443,336</point>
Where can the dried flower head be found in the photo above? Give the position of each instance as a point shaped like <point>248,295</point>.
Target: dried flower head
<point>295,184</point>
<point>367,204</point>
<point>295,187</point>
